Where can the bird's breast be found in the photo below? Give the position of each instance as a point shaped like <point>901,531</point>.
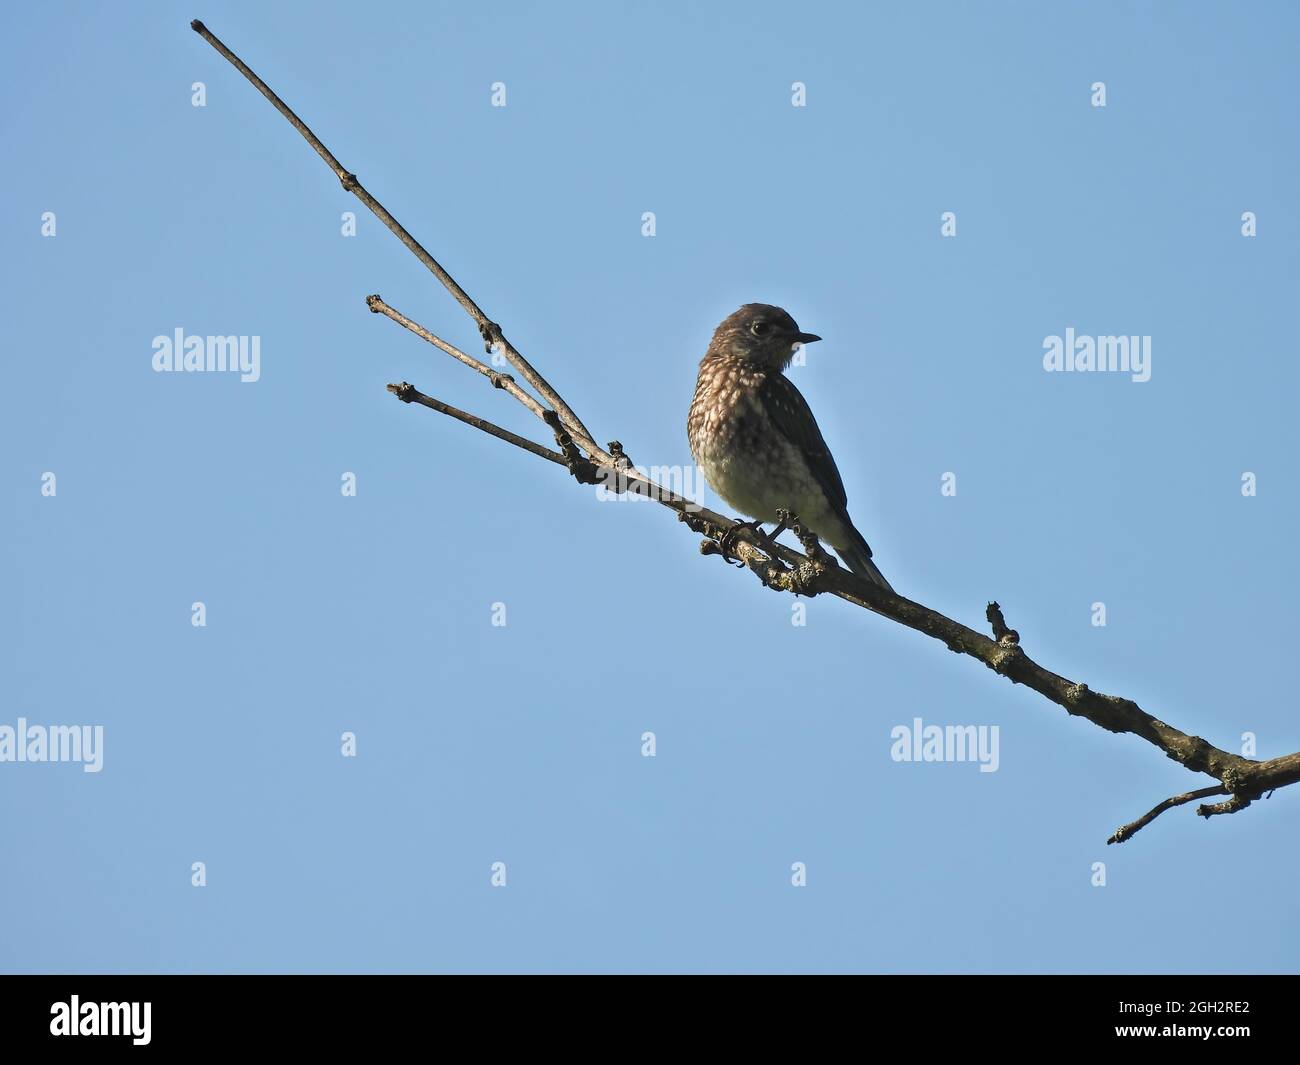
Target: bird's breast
<point>744,459</point>
<point>724,414</point>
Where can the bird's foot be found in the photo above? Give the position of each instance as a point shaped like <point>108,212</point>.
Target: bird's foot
<point>728,538</point>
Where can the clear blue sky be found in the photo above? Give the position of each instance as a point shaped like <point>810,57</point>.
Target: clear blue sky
<point>521,744</point>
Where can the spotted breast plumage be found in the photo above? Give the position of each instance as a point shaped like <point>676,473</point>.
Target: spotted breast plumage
<point>756,440</point>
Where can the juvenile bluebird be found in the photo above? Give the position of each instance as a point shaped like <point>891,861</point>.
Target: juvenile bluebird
<point>757,442</point>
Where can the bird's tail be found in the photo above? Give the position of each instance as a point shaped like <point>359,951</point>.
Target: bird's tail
<point>857,555</point>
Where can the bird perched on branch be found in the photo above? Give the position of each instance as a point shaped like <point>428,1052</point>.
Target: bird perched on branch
<point>757,442</point>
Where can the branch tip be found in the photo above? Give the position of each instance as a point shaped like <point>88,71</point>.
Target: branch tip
<point>1128,831</point>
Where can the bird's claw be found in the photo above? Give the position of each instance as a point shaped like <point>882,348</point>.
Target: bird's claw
<point>728,538</point>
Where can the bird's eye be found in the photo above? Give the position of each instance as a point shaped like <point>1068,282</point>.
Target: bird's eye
<point>760,328</point>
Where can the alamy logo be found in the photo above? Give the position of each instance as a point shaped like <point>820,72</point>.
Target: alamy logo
<point>102,1018</point>
<point>666,482</point>
<point>1080,354</point>
<point>53,743</point>
<point>179,353</point>
<point>946,743</point>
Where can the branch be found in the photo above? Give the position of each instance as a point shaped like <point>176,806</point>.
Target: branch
<point>499,380</point>
<point>812,572</point>
<point>488,329</point>
<point>408,394</point>
<point>782,569</point>
<point>1127,832</point>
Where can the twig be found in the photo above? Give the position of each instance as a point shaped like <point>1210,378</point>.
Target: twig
<point>409,394</point>
<point>499,380</point>
<point>1129,830</point>
<point>1231,806</point>
<point>488,329</point>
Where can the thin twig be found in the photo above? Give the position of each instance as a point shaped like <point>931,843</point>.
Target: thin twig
<point>409,394</point>
<point>499,380</point>
<point>1133,827</point>
<point>488,329</point>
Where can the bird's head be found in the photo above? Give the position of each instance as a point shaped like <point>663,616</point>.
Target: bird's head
<point>760,334</point>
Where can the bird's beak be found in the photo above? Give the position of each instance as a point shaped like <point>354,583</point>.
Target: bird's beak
<point>807,338</point>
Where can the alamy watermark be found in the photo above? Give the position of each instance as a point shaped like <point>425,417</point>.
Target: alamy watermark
<point>1109,354</point>
<point>53,743</point>
<point>75,1017</point>
<point>920,742</point>
<point>653,482</point>
<point>179,353</point>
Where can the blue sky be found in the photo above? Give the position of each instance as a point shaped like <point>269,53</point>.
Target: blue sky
<point>522,744</point>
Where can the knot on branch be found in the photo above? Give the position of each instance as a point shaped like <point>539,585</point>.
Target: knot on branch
<point>1005,636</point>
<point>500,380</point>
<point>374,302</point>
<point>1002,660</point>
<point>349,182</point>
<point>198,26</point>
<point>1238,782</point>
<point>405,391</point>
<point>491,334</point>
<point>584,471</point>
<point>805,578</point>
<point>1075,695</point>
<point>621,460</point>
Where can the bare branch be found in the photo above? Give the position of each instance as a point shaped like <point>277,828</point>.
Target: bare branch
<point>409,394</point>
<point>1128,831</point>
<point>783,569</point>
<point>1231,806</point>
<point>488,329</point>
<point>499,380</point>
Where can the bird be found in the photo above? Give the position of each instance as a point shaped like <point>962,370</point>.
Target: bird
<point>756,441</point>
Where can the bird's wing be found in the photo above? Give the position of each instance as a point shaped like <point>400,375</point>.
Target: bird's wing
<point>792,417</point>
